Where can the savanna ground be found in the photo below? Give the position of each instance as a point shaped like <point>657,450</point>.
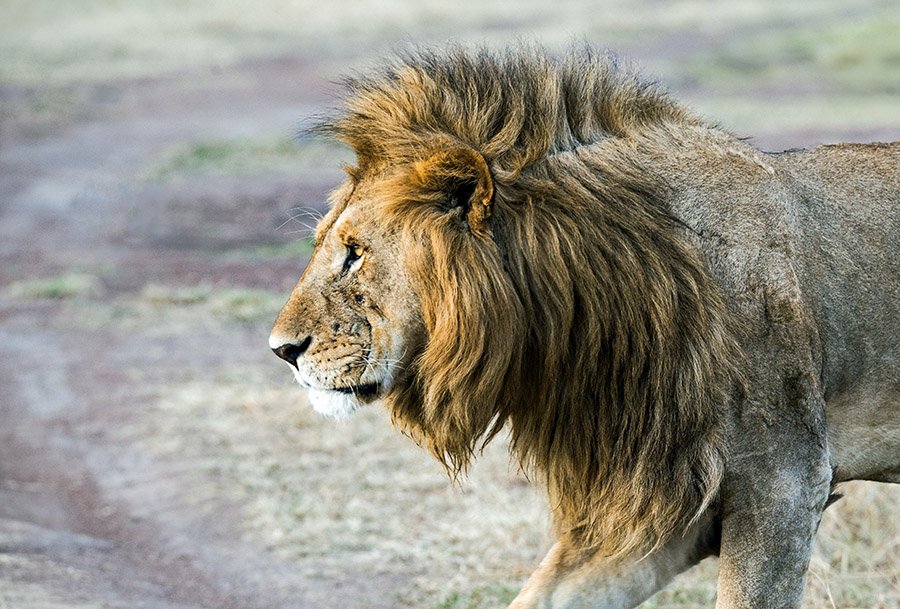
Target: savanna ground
<point>154,213</point>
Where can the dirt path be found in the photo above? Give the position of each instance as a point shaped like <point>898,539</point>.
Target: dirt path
<point>66,541</point>
<point>89,520</point>
<point>87,517</point>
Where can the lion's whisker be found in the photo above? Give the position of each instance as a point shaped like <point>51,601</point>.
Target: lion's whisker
<point>303,213</point>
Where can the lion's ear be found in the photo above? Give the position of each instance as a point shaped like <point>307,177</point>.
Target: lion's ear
<point>463,175</point>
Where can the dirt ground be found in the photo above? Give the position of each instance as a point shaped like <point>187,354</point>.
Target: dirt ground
<point>86,519</point>
<point>153,453</point>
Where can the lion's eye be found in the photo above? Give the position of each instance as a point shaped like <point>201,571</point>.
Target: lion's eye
<point>354,253</point>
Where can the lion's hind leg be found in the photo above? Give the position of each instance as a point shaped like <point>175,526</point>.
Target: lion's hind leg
<point>569,578</point>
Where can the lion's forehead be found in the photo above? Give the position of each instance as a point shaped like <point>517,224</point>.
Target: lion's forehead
<point>346,220</point>
<point>347,225</point>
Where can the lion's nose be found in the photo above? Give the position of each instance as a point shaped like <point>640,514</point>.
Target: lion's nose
<point>289,352</point>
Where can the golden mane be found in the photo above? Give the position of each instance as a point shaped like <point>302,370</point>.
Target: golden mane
<point>583,318</point>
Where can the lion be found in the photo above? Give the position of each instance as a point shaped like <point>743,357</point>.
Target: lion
<point>689,341</point>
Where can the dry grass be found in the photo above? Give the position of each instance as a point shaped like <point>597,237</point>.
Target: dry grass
<point>857,559</point>
<point>332,495</point>
<point>356,494</point>
<point>854,564</point>
<point>353,495</point>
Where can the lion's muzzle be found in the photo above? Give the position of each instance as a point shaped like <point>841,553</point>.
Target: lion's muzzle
<point>290,351</point>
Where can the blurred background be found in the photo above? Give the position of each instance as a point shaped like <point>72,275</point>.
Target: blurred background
<point>155,210</point>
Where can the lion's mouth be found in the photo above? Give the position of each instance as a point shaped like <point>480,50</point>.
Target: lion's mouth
<point>367,391</point>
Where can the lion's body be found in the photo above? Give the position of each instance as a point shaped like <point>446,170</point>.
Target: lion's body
<point>691,341</point>
<point>809,239</point>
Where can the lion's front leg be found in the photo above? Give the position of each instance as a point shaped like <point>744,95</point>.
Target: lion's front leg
<point>770,512</point>
<point>569,578</point>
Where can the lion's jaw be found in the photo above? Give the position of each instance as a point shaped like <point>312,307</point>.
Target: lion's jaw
<point>332,404</point>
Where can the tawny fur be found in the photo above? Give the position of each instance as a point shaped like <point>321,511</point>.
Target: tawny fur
<point>579,315</point>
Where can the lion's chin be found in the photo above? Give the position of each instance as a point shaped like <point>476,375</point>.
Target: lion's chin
<point>333,403</point>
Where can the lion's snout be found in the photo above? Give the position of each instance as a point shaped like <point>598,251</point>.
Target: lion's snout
<point>289,351</point>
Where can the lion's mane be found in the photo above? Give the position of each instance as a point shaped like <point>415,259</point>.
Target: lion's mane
<point>583,318</point>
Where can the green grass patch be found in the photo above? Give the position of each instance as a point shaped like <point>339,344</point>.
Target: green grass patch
<point>247,157</point>
<point>484,597</point>
<point>226,157</point>
<point>242,305</point>
<point>45,41</point>
<point>61,287</point>
<point>246,305</point>
<point>755,115</point>
<point>851,55</point>
<point>172,310</point>
<point>164,295</point>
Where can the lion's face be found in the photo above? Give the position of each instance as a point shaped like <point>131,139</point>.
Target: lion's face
<point>352,323</point>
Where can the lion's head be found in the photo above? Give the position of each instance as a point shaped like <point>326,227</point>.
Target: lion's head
<point>491,260</point>
<point>352,324</point>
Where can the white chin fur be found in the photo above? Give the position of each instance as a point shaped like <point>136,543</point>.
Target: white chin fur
<point>332,403</point>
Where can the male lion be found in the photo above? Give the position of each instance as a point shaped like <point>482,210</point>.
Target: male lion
<point>690,341</point>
